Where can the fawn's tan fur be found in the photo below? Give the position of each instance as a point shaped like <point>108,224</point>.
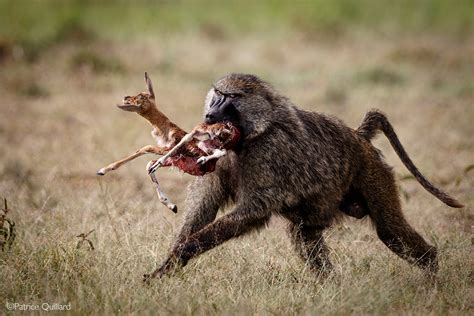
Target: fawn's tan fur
<point>167,135</point>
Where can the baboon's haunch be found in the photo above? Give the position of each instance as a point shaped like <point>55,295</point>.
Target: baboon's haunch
<point>306,167</point>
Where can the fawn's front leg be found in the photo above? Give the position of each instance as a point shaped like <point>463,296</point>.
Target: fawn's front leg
<point>161,195</point>
<point>142,151</point>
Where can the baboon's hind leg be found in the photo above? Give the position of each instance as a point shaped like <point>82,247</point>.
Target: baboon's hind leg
<point>380,191</point>
<point>310,245</point>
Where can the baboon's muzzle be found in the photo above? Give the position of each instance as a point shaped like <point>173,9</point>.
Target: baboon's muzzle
<point>221,109</point>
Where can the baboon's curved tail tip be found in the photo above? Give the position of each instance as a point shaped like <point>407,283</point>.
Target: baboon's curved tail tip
<point>453,202</point>
<point>375,121</point>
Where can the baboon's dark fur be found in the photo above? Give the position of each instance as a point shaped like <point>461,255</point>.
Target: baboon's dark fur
<point>376,121</point>
<point>307,167</point>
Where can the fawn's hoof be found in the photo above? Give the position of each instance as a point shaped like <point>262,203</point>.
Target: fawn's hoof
<point>155,165</point>
<point>101,172</point>
<point>202,160</point>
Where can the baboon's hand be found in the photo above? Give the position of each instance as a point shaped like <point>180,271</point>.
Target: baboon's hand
<point>166,267</point>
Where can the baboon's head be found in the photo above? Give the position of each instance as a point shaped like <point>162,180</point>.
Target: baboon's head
<point>244,100</point>
<point>142,102</point>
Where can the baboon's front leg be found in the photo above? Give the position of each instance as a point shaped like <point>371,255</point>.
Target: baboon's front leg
<point>205,196</point>
<point>234,224</point>
<point>142,151</point>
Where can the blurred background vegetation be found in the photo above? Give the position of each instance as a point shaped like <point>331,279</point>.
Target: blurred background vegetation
<point>63,66</point>
<point>36,24</point>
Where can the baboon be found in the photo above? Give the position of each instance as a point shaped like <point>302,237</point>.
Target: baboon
<point>307,167</point>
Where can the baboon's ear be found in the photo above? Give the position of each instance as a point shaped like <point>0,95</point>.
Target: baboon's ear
<point>149,85</point>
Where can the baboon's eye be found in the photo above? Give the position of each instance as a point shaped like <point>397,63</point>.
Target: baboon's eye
<point>230,95</point>
<point>234,95</point>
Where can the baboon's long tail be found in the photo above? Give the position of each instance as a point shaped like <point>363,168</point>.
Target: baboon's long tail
<point>376,121</point>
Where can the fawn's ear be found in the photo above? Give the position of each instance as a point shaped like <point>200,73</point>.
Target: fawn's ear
<point>149,85</point>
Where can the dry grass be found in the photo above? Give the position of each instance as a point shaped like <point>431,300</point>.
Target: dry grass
<point>59,125</point>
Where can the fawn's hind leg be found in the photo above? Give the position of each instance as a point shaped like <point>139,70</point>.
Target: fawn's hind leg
<point>218,153</point>
<point>163,198</point>
<point>377,184</point>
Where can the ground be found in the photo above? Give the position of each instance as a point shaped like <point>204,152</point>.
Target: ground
<point>59,81</point>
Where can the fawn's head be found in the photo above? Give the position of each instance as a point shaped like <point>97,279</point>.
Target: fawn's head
<point>142,102</point>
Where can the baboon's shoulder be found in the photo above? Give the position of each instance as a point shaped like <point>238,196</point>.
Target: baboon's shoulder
<point>321,123</point>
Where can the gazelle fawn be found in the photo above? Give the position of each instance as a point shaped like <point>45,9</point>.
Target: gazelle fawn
<point>195,153</point>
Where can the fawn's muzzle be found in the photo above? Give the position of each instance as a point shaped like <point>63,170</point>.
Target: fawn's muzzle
<point>128,107</point>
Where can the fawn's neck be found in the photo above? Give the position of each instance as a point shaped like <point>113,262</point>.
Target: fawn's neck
<point>164,131</point>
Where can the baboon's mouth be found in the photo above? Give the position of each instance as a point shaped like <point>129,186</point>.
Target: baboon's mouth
<point>227,137</point>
